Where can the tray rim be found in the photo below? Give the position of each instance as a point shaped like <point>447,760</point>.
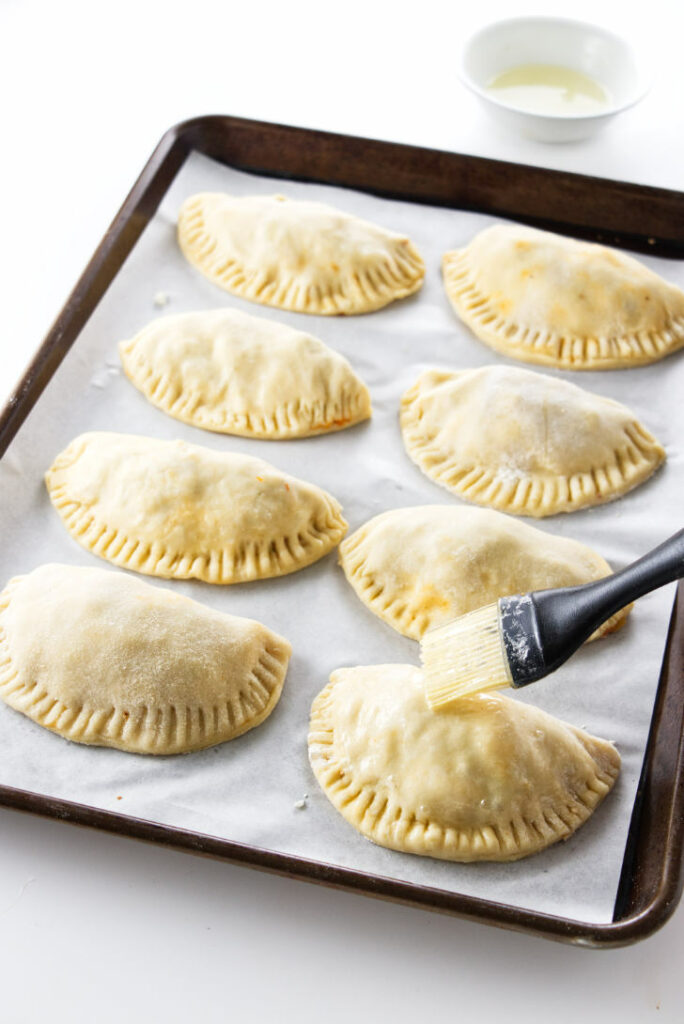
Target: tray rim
<point>657,799</point>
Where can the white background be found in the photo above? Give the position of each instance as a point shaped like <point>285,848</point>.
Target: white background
<point>98,928</point>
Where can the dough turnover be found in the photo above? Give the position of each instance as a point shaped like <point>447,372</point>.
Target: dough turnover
<point>173,509</point>
<point>489,779</point>
<point>547,299</point>
<point>524,442</point>
<point>419,567</point>
<point>303,256</point>
<point>226,371</point>
<point>103,658</point>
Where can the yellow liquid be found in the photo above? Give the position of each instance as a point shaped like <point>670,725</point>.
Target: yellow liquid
<point>549,89</point>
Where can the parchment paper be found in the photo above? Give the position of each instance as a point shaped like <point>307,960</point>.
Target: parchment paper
<point>246,790</point>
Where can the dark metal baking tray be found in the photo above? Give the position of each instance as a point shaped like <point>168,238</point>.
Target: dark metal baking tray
<point>625,215</point>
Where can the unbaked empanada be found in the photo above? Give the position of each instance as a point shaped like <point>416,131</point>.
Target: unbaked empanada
<point>488,779</point>
<point>524,442</point>
<point>547,299</point>
<point>173,509</point>
<point>224,370</point>
<point>417,568</point>
<point>103,658</point>
<point>298,255</point>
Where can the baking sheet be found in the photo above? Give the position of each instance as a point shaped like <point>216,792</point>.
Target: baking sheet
<point>247,790</point>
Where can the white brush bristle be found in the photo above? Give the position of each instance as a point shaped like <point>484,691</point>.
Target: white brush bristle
<point>464,657</point>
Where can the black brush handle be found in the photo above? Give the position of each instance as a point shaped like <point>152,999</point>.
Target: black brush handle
<point>541,630</point>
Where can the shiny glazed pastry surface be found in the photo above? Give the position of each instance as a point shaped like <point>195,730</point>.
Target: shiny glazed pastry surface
<point>490,778</point>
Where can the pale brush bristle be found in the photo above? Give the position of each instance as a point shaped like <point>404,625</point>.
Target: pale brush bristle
<point>464,657</point>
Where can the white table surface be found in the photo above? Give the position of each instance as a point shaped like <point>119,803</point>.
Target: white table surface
<point>98,928</point>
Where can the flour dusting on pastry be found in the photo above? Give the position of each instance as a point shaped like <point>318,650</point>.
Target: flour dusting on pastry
<point>103,658</point>
<point>524,442</point>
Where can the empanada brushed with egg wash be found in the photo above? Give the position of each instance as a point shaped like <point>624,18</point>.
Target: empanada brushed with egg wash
<point>489,778</point>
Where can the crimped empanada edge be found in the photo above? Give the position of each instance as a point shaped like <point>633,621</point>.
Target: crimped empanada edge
<point>399,276</point>
<point>369,590</point>
<point>378,818</point>
<point>251,561</point>
<point>535,495</point>
<point>399,612</point>
<point>141,730</point>
<point>548,348</point>
<point>292,420</point>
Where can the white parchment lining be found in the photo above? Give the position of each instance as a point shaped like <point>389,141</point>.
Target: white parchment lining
<point>246,790</point>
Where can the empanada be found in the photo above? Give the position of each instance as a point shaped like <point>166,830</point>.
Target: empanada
<point>490,778</point>
<point>224,370</point>
<point>417,568</point>
<point>103,658</point>
<point>173,509</point>
<point>304,256</point>
<point>524,442</point>
<point>547,299</point>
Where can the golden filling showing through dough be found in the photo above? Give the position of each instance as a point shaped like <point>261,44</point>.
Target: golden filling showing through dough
<point>547,299</point>
<point>418,568</point>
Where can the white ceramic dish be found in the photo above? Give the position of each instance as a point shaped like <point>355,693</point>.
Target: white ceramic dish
<point>593,51</point>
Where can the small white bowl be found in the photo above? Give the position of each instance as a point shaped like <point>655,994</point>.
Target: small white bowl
<point>593,51</point>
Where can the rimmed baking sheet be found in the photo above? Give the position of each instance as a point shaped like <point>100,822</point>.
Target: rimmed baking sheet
<point>246,790</point>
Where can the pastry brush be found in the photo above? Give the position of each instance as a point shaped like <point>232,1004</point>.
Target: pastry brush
<point>523,638</point>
